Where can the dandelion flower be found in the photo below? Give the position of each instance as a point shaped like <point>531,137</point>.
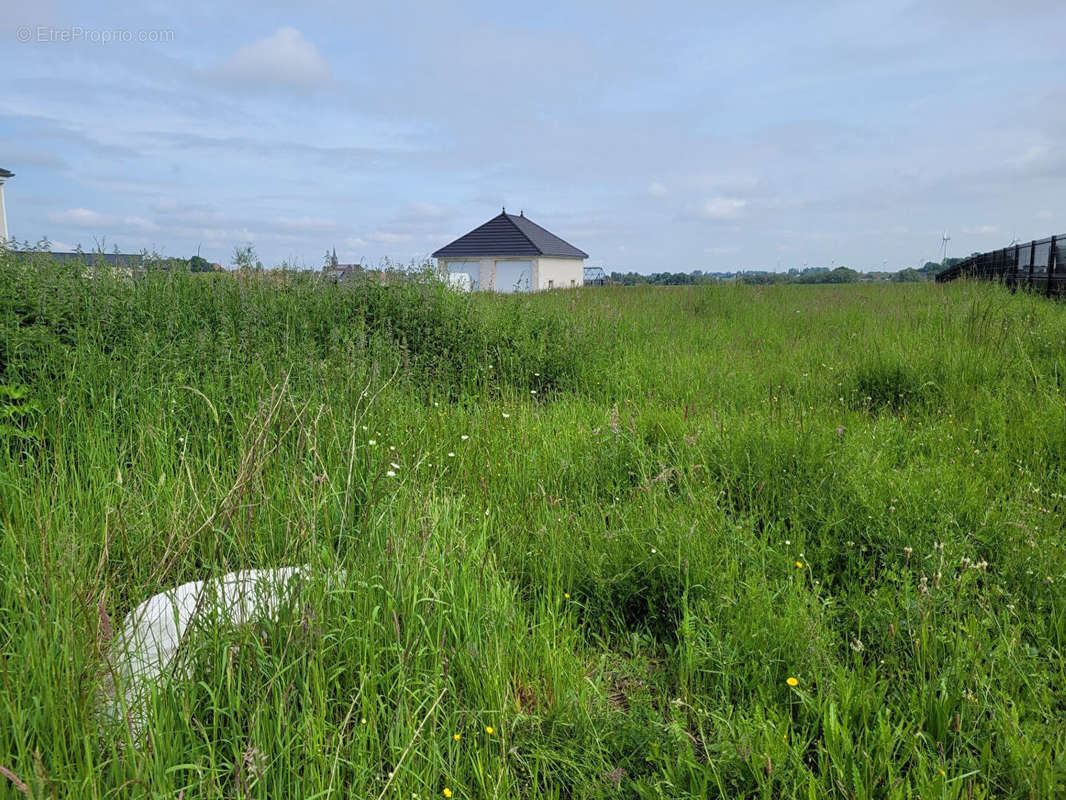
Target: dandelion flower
<point>489,730</point>
<point>457,736</point>
<point>799,565</point>
<point>447,792</point>
<point>566,595</point>
<point>792,682</point>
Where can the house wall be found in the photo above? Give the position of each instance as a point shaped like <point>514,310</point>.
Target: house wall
<point>3,214</point>
<point>560,271</point>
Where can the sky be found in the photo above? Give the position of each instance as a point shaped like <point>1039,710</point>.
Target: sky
<point>656,137</point>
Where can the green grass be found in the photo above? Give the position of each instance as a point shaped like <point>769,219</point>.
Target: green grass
<point>670,501</point>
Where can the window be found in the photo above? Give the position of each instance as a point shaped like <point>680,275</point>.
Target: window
<point>551,284</point>
<point>572,283</point>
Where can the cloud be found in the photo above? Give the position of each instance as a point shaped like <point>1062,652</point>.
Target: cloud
<point>285,59</point>
<point>87,218</point>
<point>723,208</point>
<point>979,229</point>
<point>656,189</point>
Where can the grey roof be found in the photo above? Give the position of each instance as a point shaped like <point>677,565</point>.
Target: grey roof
<point>89,259</point>
<point>508,235</point>
<point>6,173</point>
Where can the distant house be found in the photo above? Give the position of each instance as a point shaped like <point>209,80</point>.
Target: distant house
<point>513,254</point>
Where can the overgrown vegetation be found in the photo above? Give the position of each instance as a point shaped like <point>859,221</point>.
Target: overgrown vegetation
<point>716,541</point>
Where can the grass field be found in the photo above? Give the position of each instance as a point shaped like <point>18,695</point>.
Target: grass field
<point>722,541</point>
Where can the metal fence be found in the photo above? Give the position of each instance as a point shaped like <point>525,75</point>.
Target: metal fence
<point>1039,265</point>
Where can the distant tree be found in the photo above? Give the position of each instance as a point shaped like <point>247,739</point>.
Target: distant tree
<point>200,264</point>
<point>908,275</point>
<point>244,258</point>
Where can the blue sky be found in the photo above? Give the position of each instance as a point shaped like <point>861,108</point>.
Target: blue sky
<point>672,136</point>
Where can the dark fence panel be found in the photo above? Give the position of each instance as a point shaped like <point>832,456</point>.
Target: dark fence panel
<point>1039,265</point>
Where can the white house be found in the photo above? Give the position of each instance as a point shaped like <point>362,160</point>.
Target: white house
<point>513,254</point>
<point>4,175</point>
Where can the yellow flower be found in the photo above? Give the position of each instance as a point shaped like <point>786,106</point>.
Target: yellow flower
<point>488,730</point>
<point>447,792</point>
<point>792,682</point>
<point>799,565</point>
<point>457,736</point>
<point>566,595</point>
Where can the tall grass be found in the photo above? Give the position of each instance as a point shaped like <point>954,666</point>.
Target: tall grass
<point>621,519</point>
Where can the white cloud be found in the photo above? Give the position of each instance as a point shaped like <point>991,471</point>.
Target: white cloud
<point>284,59</point>
<point>981,229</point>
<point>723,208</point>
<point>656,189</point>
<point>387,237</point>
<point>87,218</point>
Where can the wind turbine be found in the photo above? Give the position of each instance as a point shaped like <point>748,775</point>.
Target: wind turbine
<point>944,247</point>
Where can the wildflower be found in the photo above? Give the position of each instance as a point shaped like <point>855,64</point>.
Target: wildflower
<point>788,541</point>
<point>364,427</point>
<point>372,442</point>
<point>489,730</point>
<point>506,415</point>
<point>457,736</point>
<point>390,474</point>
<point>394,465</point>
<point>792,682</point>
<point>464,437</point>
<point>532,391</point>
<point>451,455</point>
<point>799,565</point>
<point>447,792</point>
<point>566,595</point>
<point>654,551</point>
<point>362,721</point>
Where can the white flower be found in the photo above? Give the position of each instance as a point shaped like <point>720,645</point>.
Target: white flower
<point>364,427</point>
<point>394,465</point>
<point>451,455</point>
<point>788,541</point>
<point>464,437</point>
<point>391,474</point>
<point>537,374</point>
<point>654,551</point>
<point>506,415</point>
<point>392,448</point>
<point>372,442</point>
<point>532,391</point>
